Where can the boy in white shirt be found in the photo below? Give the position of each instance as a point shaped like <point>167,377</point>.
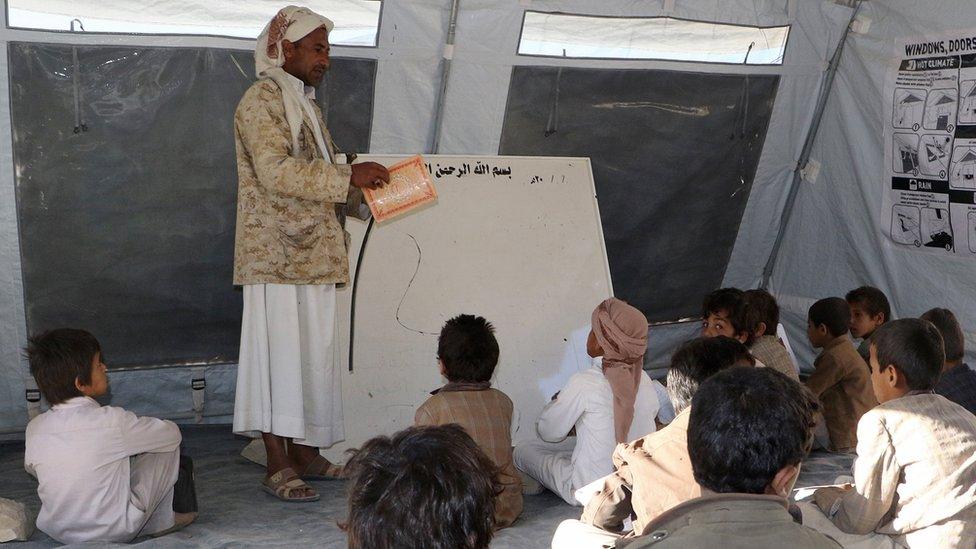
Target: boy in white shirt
<point>612,401</point>
<point>104,474</point>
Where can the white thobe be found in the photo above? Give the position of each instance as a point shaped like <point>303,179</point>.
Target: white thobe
<point>564,464</point>
<point>104,474</point>
<point>287,380</point>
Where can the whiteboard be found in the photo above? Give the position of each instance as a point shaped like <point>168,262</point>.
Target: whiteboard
<point>520,244</point>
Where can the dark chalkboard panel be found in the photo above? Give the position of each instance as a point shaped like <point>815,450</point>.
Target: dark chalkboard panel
<point>673,154</point>
<point>127,229</point>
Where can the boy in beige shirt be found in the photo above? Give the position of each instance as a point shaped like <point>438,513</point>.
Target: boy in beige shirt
<point>915,473</point>
<point>467,353</point>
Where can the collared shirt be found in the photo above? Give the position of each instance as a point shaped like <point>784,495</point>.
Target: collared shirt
<point>653,474</point>
<point>750,521</point>
<point>915,474</point>
<point>487,415</point>
<point>958,384</point>
<point>842,382</point>
<point>586,402</point>
<point>79,451</point>
<point>770,351</point>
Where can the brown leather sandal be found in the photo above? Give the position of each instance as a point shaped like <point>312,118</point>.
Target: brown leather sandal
<point>323,469</point>
<point>285,484</point>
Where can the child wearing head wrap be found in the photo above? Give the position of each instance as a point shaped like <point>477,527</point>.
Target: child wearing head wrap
<point>612,401</point>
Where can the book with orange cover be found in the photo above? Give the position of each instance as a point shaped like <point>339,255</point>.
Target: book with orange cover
<point>409,188</point>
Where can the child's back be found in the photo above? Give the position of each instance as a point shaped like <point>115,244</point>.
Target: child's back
<point>79,451</point>
<point>467,352</point>
<point>486,415</point>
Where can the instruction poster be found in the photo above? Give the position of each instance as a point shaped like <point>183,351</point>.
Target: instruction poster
<point>930,146</point>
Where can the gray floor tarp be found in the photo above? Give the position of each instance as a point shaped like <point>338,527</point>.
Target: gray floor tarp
<point>234,512</point>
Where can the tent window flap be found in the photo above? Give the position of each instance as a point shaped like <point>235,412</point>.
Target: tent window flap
<point>356,21</point>
<point>665,38</point>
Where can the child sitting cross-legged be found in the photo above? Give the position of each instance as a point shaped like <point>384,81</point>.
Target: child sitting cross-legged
<point>467,353</point>
<point>840,378</point>
<point>915,472</point>
<point>610,402</point>
<point>104,474</point>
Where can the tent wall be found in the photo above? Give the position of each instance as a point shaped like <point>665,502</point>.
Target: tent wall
<point>835,240</point>
<point>408,58</point>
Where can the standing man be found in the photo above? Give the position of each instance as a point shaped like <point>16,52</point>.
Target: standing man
<point>290,253</point>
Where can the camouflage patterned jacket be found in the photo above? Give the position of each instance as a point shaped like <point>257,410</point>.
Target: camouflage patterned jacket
<point>287,228</point>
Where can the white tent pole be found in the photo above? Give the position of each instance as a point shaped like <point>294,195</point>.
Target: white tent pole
<point>442,95</point>
<point>801,164</point>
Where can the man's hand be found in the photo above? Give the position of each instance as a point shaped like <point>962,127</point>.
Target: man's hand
<point>825,497</point>
<point>369,175</point>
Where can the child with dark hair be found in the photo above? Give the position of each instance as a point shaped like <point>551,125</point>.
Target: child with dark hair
<point>423,488</point>
<point>915,472</point>
<point>840,379</point>
<point>723,314</point>
<point>103,473</point>
<point>467,353</point>
<point>653,474</point>
<point>748,431</point>
<point>869,310</point>
<point>958,382</point>
<point>761,315</point>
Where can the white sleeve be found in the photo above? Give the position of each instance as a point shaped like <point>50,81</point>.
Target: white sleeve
<point>560,415</point>
<point>142,435</point>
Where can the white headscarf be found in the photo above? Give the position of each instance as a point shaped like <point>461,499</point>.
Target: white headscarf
<point>291,23</point>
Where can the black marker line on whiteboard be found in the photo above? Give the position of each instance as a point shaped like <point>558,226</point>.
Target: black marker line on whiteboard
<point>420,256</point>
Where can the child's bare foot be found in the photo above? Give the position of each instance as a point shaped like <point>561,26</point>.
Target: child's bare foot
<point>181,521</point>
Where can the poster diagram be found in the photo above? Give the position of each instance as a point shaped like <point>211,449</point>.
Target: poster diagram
<point>967,102</point>
<point>936,231</point>
<point>972,231</point>
<point>963,173</point>
<point>940,110</point>
<point>905,225</point>
<point>933,155</point>
<point>905,153</point>
<point>928,202</point>
<point>909,105</point>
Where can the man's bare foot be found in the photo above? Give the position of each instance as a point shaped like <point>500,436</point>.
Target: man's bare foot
<point>302,456</point>
<point>280,460</point>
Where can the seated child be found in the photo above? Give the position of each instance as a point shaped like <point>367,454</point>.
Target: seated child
<point>423,488</point>
<point>840,379</point>
<point>869,310</point>
<point>612,401</point>
<point>467,353</point>
<point>915,472</point>
<point>103,473</point>
<point>653,473</point>
<point>723,315</point>
<point>749,430</point>
<point>958,381</point>
<point>762,317</point>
